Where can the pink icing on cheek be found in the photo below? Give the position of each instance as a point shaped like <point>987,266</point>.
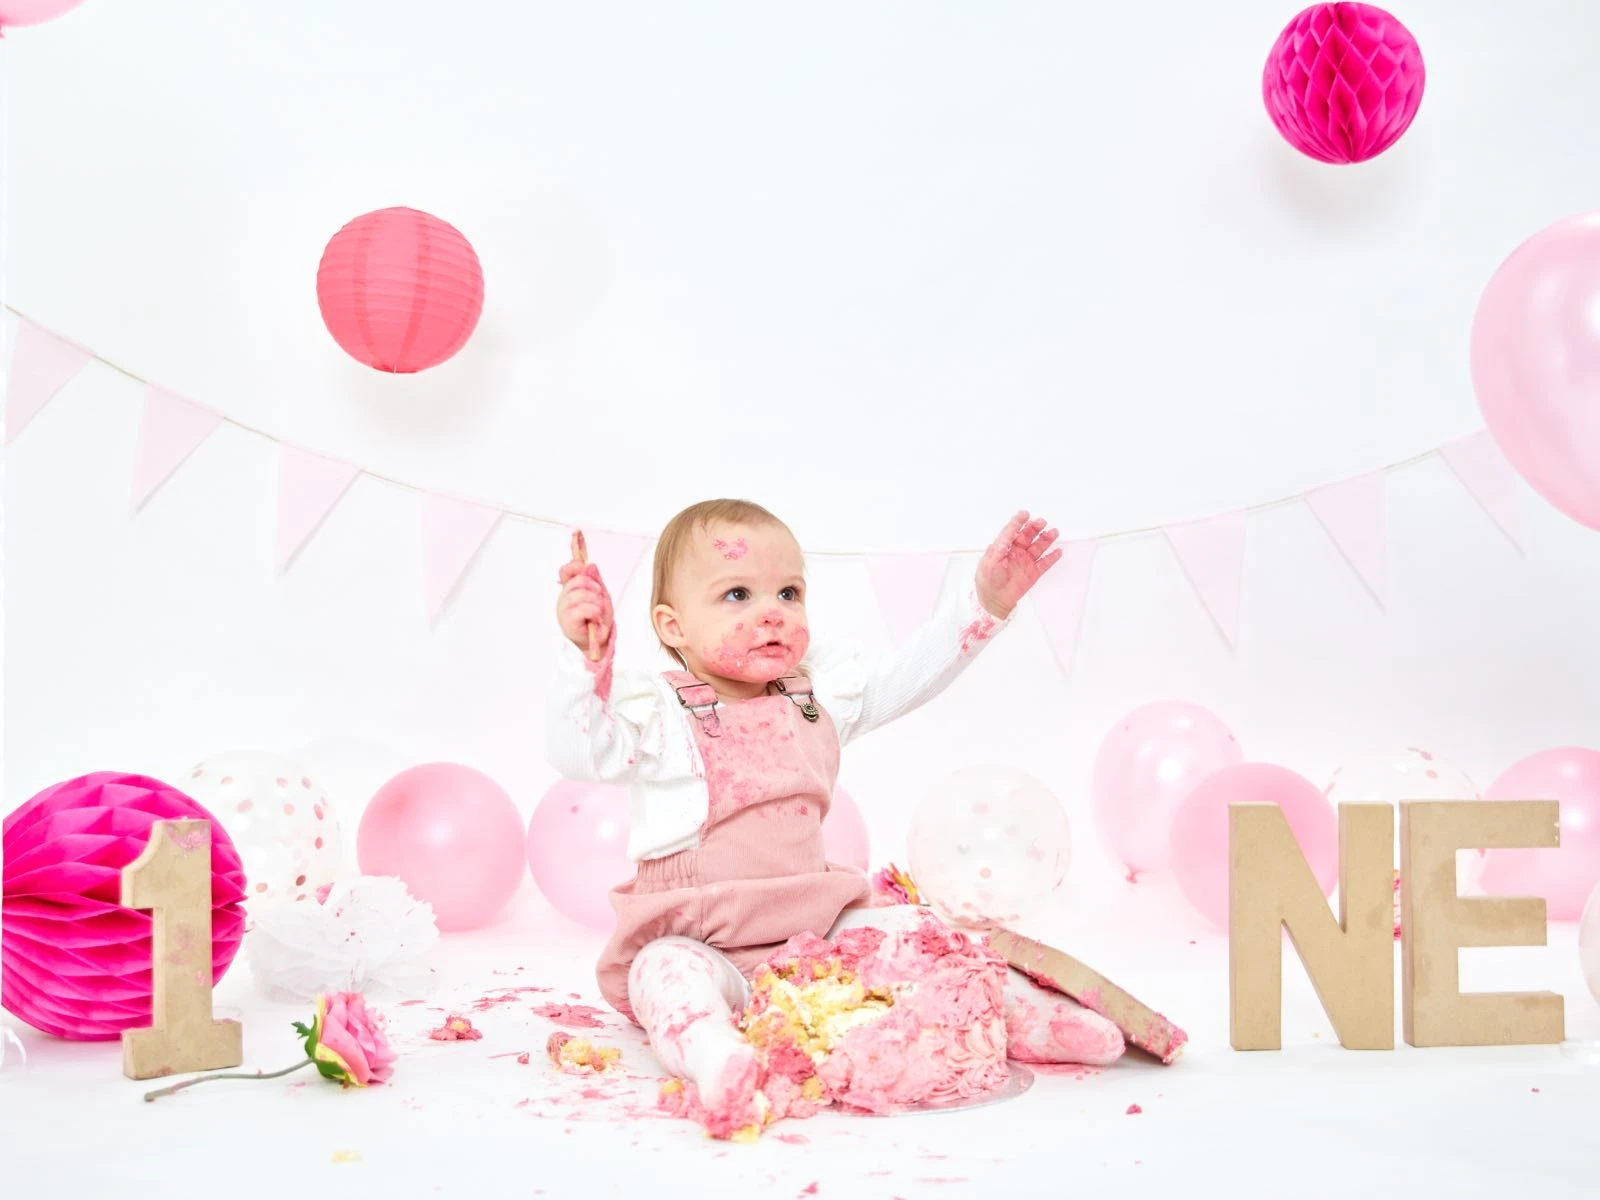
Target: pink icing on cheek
<point>738,655</point>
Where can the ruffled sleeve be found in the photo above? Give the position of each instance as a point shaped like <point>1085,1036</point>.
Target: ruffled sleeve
<point>862,691</point>
<point>602,725</point>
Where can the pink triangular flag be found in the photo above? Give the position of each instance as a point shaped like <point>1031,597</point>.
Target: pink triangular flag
<point>169,430</point>
<point>1483,470</point>
<point>41,365</point>
<point>908,587</point>
<point>309,485</point>
<point>617,555</point>
<point>1354,513</point>
<point>1059,597</point>
<point>1212,555</point>
<point>453,531</point>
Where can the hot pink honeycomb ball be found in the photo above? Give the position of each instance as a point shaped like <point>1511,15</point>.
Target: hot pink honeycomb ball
<point>1343,82</point>
<point>73,961</point>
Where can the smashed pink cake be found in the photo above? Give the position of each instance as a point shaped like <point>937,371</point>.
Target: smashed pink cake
<point>875,1022</point>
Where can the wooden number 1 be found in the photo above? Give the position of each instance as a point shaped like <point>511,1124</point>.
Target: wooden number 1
<point>172,878</point>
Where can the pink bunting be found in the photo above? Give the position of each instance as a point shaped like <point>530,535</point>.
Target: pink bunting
<point>453,531</point>
<point>309,485</point>
<point>908,587</point>
<point>617,555</point>
<point>1483,470</point>
<point>41,365</point>
<point>169,431</point>
<point>1059,598</point>
<point>1353,512</point>
<point>1211,553</point>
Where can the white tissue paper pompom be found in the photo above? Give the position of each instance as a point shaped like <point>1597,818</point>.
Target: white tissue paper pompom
<point>11,1048</point>
<point>369,935</point>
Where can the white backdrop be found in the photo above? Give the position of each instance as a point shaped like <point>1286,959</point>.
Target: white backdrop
<point>892,269</point>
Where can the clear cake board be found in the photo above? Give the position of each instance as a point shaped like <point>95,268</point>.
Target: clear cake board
<point>1019,1080</point>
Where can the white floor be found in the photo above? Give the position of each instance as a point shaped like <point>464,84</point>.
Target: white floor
<point>466,1119</point>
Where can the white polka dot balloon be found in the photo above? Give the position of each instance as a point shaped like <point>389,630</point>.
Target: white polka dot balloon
<point>988,846</point>
<point>279,818</point>
<point>1409,774</point>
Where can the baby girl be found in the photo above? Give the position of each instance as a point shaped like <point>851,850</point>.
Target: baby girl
<point>731,763</point>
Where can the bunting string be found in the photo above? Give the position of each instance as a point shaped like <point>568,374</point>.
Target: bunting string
<point>560,523</point>
<point>1210,550</point>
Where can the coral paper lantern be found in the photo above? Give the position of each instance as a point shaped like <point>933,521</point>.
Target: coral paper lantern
<point>400,290</point>
<point>73,961</point>
<point>1343,82</point>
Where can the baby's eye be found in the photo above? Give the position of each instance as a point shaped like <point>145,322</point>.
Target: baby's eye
<point>789,593</point>
<point>737,593</point>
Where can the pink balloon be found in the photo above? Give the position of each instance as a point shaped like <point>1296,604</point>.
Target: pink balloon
<point>33,12</point>
<point>452,835</point>
<point>1146,766</point>
<point>1565,876</point>
<point>1200,830</point>
<point>1536,363</point>
<point>578,849</point>
<point>844,833</point>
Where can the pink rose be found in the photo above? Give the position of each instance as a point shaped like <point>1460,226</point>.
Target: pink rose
<point>344,1041</point>
<point>893,886</point>
<point>350,1037</point>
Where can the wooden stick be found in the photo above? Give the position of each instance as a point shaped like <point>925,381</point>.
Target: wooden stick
<point>580,555</point>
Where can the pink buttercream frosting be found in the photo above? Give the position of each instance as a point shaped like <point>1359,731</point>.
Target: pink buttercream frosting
<point>874,1021</point>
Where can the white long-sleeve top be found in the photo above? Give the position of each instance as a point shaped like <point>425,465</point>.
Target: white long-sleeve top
<point>641,735</point>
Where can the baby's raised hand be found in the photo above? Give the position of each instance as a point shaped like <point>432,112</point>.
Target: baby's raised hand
<point>583,608</point>
<point>1014,562</point>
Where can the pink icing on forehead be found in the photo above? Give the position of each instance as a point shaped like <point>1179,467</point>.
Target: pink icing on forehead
<point>735,549</point>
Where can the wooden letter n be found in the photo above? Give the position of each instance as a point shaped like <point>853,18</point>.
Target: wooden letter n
<point>1350,962</point>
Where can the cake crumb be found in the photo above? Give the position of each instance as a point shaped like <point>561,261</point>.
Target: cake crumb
<point>455,1029</point>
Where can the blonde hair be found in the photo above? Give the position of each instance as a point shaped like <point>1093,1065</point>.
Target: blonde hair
<point>675,538</point>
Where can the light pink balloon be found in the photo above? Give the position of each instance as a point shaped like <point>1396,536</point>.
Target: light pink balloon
<point>844,833</point>
<point>1146,765</point>
<point>1200,830</point>
<point>452,835</point>
<point>33,12</point>
<point>1536,363</point>
<point>578,850</point>
<point>1564,876</point>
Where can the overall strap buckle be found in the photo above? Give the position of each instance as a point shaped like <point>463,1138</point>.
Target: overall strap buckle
<point>798,689</point>
<point>702,705</point>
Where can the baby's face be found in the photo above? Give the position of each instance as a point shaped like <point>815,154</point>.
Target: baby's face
<point>736,607</point>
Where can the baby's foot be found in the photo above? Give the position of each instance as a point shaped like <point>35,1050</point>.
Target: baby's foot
<point>723,1095</point>
<point>729,1086</point>
<point>1046,1027</point>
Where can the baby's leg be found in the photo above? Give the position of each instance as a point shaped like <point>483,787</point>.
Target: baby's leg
<point>685,994</point>
<point>1042,1025</point>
